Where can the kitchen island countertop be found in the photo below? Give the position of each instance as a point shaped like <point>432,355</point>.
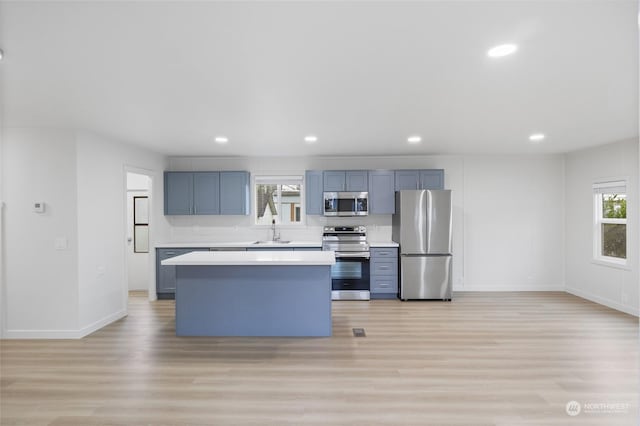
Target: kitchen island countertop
<point>222,258</point>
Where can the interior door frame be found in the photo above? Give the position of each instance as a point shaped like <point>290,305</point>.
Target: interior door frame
<point>151,270</point>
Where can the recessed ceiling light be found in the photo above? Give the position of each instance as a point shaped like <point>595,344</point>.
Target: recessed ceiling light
<point>311,139</point>
<point>536,137</point>
<point>414,139</point>
<point>502,50</point>
<point>221,139</point>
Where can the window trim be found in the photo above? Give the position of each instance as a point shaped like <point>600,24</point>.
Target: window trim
<point>598,220</point>
<point>278,179</point>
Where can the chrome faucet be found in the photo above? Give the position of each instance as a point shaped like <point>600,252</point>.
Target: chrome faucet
<point>275,237</point>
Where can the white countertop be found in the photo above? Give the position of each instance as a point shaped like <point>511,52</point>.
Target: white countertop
<point>238,244</point>
<point>383,244</point>
<point>297,258</point>
<point>246,244</point>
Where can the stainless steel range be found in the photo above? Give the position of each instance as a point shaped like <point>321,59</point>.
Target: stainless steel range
<point>350,274</point>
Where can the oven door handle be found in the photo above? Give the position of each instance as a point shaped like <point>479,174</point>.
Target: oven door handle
<point>340,254</point>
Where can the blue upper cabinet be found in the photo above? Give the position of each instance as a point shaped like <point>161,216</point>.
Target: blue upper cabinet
<point>313,191</point>
<point>334,181</point>
<point>234,193</point>
<point>338,180</point>
<point>178,193</point>
<point>356,181</point>
<point>381,192</point>
<point>407,179</point>
<point>206,193</point>
<point>432,179</point>
<point>419,179</point>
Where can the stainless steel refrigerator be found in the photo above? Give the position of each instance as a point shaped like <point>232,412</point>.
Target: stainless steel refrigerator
<point>422,227</point>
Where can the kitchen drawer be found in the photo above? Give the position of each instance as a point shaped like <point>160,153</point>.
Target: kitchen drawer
<point>384,284</point>
<point>384,253</point>
<point>384,267</point>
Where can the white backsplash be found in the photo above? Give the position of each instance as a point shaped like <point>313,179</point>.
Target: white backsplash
<point>240,229</point>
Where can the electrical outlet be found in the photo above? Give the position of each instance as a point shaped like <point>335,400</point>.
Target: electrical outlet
<point>625,298</point>
<point>61,243</point>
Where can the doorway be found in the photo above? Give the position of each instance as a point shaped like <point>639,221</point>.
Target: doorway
<point>137,232</point>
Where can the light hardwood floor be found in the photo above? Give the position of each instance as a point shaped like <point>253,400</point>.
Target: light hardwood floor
<point>484,359</point>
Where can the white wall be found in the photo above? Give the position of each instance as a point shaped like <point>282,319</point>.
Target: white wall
<point>101,168</point>
<point>514,223</point>
<point>522,250</point>
<point>68,292</point>
<point>41,283</point>
<point>2,225</point>
<point>614,287</point>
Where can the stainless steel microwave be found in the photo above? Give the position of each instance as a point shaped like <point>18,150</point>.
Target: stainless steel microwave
<point>346,203</point>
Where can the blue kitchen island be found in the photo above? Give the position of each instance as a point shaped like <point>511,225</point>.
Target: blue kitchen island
<point>253,293</point>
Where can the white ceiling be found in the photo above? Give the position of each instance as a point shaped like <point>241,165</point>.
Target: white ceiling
<point>362,76</point>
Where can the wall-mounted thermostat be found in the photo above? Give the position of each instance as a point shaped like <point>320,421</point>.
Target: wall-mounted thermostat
<point>38,207</point>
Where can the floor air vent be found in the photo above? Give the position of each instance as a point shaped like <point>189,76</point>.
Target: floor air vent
<point>359,332</point>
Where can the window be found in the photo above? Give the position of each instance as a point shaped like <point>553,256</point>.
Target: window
<point>141,224</point>
<point>278,198</point>
<point>610,224</point>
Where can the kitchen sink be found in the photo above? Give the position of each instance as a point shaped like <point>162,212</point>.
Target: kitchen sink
<point>271,243</point>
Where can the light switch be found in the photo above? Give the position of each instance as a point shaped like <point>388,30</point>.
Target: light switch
<point>61,243</point>
<point>38,207</point>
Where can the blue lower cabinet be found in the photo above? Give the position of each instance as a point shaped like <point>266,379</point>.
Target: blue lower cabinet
<point>166,275</point>
<point>385,285</point>
<point>384,273</point>
<point>384,267</point>
<point>307,249</point>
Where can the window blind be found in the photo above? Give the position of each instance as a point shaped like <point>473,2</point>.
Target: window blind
<point>612,187</point>
<point>283,180</point>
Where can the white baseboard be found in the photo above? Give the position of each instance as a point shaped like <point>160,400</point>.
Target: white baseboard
<point>41,334</point>
<point>602,301</point>
<point>85,331</point>
<point>557,287</point>
<point>64,334</point>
